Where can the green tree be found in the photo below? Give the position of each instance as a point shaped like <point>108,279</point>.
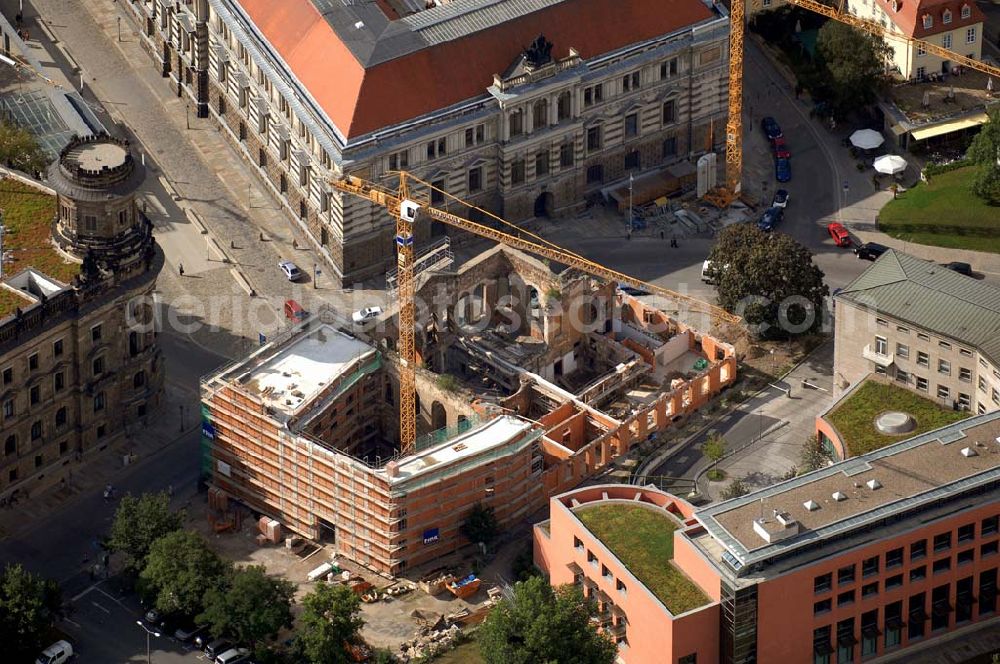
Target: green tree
<point>180,568</point>
<point>855,62</point>
<point>140,521</point>
<point>330,618</point>
<point>984,152</point>
<point>538,624</point>
<point>28,606</point>
<point>481,524</point>
<point>735,489</point>
<point>252,607</point>
<point>714,448</point>
<point>19,149</point>
<point>770,280</point>
<point>447,382</point>
<point>813,455</point>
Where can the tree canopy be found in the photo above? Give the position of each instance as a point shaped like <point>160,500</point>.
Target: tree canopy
<point>855,62</point>
<point>180,568</point>
<point>813,455</point>
<point>480,525</point>
<point>539,624</point>
<point>984,152</point>
<point>140,521</point>
<point>28,606</point>
<point>770,280</point>
<point>331,617</point>
<point>252,607</point>
<point>19,149</point>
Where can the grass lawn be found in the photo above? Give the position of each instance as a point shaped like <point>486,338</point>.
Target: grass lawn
<point>467,653</point>
<point>855,417</point>
<point>644,541</point>
<point>943,213</point>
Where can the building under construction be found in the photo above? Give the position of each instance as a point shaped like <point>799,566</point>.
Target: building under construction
<point>529,382</point>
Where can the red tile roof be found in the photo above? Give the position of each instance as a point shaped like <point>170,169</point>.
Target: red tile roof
<point>359,101</point>
<point>909,16</point>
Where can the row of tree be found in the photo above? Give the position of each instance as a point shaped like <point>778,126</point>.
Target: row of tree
<point>183,576</point>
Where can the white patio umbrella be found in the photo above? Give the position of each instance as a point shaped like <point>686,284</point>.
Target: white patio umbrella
<point>866,139</point>
<point>890,164</point>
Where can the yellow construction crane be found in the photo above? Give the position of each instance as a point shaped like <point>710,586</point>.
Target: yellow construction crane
<point>404,205</point>
<point>723,196</point>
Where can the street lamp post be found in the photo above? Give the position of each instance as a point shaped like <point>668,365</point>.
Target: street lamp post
<point>149,633</point>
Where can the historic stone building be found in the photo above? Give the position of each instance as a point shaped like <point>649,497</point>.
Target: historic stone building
<point>523,107</point>
<point>79,361</point>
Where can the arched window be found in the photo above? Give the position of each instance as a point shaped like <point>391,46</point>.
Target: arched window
<point>139,379</point>
<point>541,114</point>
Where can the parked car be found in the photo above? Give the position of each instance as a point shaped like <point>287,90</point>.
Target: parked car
<point>294,311</point>
<point>870,250</point>
<point>782,170</point>
<point>709,272</point>
<point>189,632</point>
<point>366,315</point>
<point>291,270</point>
<point>839,234</point>
<point>781,150</point>
<point>961,268</point>
<point>216,648</point>
<point>57,653</point>
<point>771,218</point>
<point>153,618</point>
<point>233,655</point>
<point>780,199</point>
<point>771,128</point>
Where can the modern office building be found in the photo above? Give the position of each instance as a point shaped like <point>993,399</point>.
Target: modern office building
<point>926,327</point>
<point>79,362</point>
<point>518,398</point>
<point>524,108</point>
<point>878,554</point>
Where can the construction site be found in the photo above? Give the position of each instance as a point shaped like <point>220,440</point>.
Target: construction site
<point>527,382</point>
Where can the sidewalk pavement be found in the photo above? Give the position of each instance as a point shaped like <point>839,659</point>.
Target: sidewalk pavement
<point>769,437</point>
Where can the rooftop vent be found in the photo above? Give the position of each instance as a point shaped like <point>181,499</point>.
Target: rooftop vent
<point>811,505</point>
<point>969,452</point>
<point>784,518</point>
<point>838,496</point>
<point>874,484</point>
<point>359,25</point>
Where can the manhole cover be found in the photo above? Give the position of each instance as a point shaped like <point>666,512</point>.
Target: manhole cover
<point>895,422</point>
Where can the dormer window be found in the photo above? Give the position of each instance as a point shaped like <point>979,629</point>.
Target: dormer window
<point>966,11</point>
<point>946,17</point>
<point>928,21</point>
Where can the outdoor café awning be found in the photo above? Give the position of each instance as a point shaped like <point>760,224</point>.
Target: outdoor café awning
<point>948,127</point>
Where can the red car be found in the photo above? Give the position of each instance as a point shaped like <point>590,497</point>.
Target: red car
<point>781,150</point>
<point>839,234</point>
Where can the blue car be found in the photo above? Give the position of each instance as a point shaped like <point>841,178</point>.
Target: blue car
<point>772,216</point>
<point>782,170</point>
<point>770,128</point>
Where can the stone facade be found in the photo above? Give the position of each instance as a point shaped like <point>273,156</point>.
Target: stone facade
<point>929,363</point>
<point>80,364</point>
<point>535,143</point>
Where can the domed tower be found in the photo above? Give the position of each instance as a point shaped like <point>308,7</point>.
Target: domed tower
<point>96,179</point>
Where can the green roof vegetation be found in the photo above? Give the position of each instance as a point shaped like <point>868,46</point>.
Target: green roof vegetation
<point>27,215</point>
<point>855,417</point>
<point>943,213</point>
<point>644,541</point>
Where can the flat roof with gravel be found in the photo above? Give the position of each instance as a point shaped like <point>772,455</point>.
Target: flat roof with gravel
<point>854,494</point>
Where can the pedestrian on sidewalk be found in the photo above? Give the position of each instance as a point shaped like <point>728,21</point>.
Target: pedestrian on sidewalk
<point>875,182</point>
<point>673,242</point>
<point>180,269</point>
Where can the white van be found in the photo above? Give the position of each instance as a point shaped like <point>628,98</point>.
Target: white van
<point>232,656</point>
<point>57,653</point>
